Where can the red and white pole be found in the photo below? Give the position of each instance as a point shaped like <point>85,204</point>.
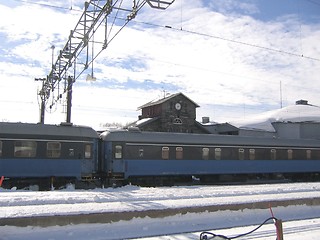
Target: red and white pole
<point>1,180</point>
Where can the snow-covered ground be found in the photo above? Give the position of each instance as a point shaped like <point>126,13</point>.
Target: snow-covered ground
<point>132,198</point>
<point>227,223</point>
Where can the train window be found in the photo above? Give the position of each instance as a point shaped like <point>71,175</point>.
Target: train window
<point>290,154</point>
<point>71,152</point>
<point>118,151</point>
<point>217,153</point>
<point>0,148</point>
<point>273,154</point>
<point>165,152</point>
<point>308,152</point>
<point>179,152</point>
<point>88,151</point>
<point>141,152</point>
<point>205,153</point>
<point>53,149</point>
<point>25,149</point>
<point>252,154</point>
<point>241,153</point>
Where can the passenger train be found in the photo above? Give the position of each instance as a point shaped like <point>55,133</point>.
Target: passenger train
<point>53,155</point>
<point>46,154</point>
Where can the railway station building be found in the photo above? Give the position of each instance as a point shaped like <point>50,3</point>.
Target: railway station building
<point>177,113</point>
<point>173,113</point>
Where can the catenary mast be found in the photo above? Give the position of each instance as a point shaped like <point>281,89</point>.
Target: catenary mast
<point>102,19</point>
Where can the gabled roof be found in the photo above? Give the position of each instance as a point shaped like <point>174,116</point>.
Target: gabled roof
<point>160,101</point>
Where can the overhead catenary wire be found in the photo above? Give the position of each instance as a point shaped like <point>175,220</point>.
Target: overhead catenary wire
<point>48,5</point>
<point>231,40</point>
<point>108,42</point>
<point>183,30</point>
<point>156,25</point>
<point>196,32</point>
<point>313,2</point>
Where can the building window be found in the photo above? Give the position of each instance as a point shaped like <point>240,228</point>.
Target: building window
<point>252,154</point>
<point>88,151</point>
<point>308,152</point>
<point>217,153</point>
<point>25,149</point>
<point>165,153</point>
<point>118,152</point>
<point>177,121</point>
<point>290,154</point>
<point>179,152</point>
<point>205,153</point>
<point>273,154</point>
<point>241,154</point>
<point>53,149</point>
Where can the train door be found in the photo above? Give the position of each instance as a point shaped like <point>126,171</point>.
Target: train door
<point>118,163</point>
<point>107,159</point>
<point>113,163</point>
<point>89,160</point>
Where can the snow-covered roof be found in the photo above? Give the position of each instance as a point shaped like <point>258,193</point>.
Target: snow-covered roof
<point>295,114</point>
<point>162,100</point>
<point>142,121</point>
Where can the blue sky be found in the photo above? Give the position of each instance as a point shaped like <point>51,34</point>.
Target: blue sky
<point>230,57</point>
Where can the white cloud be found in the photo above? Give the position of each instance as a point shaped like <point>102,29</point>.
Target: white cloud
<point>18,97</point>
<point>216,59</point>
<point>227,6</point>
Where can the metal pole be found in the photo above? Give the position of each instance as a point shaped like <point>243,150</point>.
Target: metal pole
<point>69,99</point>
<point>42,109</point>
<point>42,94</point>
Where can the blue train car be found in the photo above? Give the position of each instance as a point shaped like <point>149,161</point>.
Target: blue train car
<point>150,156</point>
<point>30,153</point>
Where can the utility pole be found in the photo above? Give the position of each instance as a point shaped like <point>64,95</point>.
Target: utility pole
<point>280,94</point>
<point>69,99</point>
<point>43,97</point>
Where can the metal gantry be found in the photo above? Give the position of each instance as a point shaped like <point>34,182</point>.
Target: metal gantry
<point>100,23</point>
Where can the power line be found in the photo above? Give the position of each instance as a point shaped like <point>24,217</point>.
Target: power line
<point>230,40</point>
<point>314,2</point>
<point>195,32</point>
<point>47,5</point>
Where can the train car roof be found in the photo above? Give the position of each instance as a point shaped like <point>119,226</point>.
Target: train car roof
<point>47,129</point>
<point>203,139</point>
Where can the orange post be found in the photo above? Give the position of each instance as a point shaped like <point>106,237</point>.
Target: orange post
<point>279,228</point>
<point>278,224</point>
<point>1,180</point>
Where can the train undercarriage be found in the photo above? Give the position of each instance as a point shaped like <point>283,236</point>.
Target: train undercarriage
<point>154,181</point>
<point>49,183</point>
<point>56,183</point>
